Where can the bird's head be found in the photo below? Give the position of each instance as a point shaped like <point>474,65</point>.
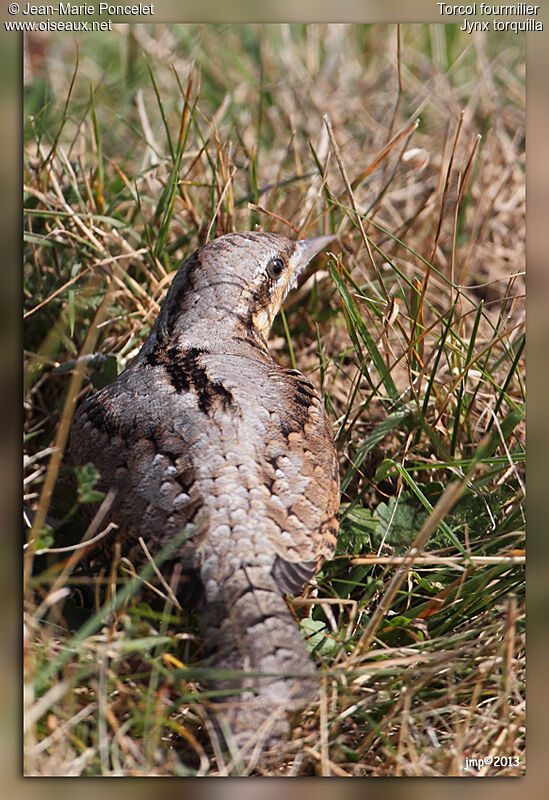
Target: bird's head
<point>237,281</point>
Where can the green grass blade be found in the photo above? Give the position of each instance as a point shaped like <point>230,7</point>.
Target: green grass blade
<point>356,325</point>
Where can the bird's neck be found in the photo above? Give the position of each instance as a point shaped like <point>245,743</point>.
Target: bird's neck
<point>214,330</point>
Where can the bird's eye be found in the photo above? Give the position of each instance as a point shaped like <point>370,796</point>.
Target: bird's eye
<point>275,268</point>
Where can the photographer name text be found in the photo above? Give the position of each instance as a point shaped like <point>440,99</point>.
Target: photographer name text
<point>102,9</point>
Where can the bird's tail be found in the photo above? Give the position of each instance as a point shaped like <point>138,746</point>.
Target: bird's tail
<point>250,632</point>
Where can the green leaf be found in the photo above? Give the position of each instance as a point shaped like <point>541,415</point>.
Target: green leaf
<point>317,639</point>
<point>87,477</point>
<point>355,534</point>
<point>385,468</point>
<point>45,538</point>
<point>399,521</point>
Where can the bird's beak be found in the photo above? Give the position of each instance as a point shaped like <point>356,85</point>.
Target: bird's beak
<point>306,250</point>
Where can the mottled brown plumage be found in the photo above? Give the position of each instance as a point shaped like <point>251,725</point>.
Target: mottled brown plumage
<point>204,427</point>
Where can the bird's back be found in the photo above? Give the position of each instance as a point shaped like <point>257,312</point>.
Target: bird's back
<point>235,437</point>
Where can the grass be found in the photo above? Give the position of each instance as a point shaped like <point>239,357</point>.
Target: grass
<point>140,147</point>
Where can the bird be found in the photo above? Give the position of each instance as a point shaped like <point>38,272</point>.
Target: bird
<point>204,431</point>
